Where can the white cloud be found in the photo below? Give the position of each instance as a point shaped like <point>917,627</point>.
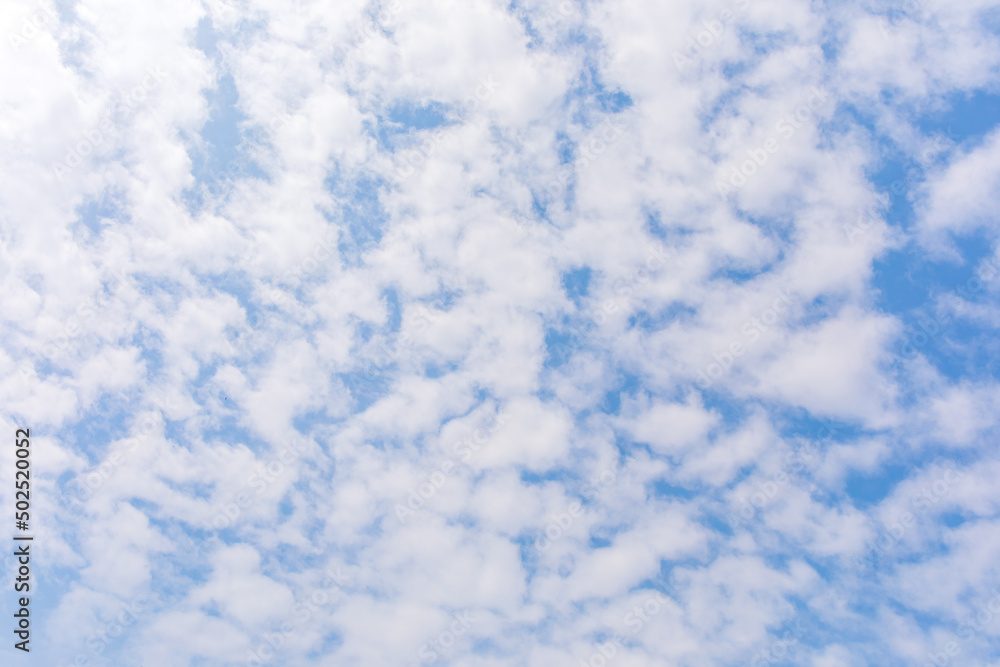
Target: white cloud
<point>378,295</point>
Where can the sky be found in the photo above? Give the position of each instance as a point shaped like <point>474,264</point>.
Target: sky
<point>476,333</point>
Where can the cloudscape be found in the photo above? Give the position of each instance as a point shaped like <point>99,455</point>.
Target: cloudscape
<point>596,333</point>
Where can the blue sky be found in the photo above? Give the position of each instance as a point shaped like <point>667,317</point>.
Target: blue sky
<point>536,333</point>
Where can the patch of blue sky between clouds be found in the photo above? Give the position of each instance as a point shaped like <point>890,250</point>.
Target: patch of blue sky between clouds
<point>588,104</point>
<point>97,214</point>
<point>965,116</point>
<point>399,127</point>
<point>907,281</point>
<point>309,421</point>
<point>591,101</point>
<point>366,388</point>
<point>109,420</point>
<point>205,38</point>
<point>800,423</point>
<point>576,283</point>
<point>222,138</point>
<point>440,370</point>
<point>409,116</point>
<point>654,227</point>
<point>563,475</point>
<point>223,156</point>
<point>869,489</point>
<point>566,149</point>
<point>864,489</point>
<point>626,384</point>
<point>359,214</point>
<point>650,322</point>
<point>539,207</point>
<point>603,534</point>
<point>663,489</point>
<point>738,275</point>
<point>394,317</point>
<point>558,348</point>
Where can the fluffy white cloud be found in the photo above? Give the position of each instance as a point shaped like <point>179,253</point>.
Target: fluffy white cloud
<point>385,333</point>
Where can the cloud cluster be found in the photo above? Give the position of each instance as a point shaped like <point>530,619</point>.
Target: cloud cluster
<point>614,332</point>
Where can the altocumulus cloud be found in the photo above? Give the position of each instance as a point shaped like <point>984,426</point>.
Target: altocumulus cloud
<point>619,332</point>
